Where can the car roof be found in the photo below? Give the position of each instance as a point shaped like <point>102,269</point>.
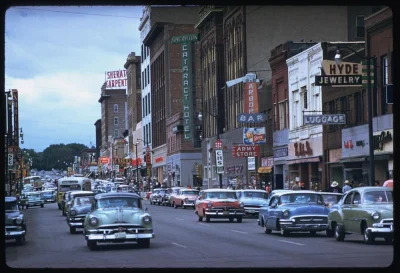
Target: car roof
<point>189,190</point>
<point>11,199</point>
<point>295,192</point>
<point>175,188</point>
<point>116,194</point>
<point>81,192</point>
<point>252,190</point>
<point>330,193</point>
<point>370,189</point>
<point>218,190</point>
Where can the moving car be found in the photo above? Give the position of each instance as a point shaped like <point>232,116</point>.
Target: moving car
<point>294,211</point>
<point>118,217</point>
<point>219,203</point>
<point>174,191</point>
<point>48,196</point>
<point>367,211</point>
<point>80,207</point>
<point>15,225</point>
<point>155,197</point>
<point>74,194</point>
<point>34,199</point>
<point>253,200</point>
<point>185,198</point>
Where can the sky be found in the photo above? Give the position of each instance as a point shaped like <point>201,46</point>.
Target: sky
<point>56,57</point>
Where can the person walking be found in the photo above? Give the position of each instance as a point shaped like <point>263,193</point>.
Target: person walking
<point>296,186</point>
<point>335,187</point>
<point>346,187</point>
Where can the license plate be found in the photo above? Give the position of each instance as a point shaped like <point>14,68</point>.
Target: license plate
<point>120,235</point>
<point>77,219</point>
<point>226,212</point>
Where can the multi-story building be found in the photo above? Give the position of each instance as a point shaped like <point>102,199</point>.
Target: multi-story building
<point>173,157</point>
<point>280,101</point>
<point>97,124</point>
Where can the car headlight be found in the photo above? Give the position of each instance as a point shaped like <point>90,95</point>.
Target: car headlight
<point>286,213</point>
<point>241,204</point>
<point>146,220</point>
<point>209,204</point>
<point>18,221</point>
<point>375,215</point>
<point>72,212</point>
<point>93,221</point>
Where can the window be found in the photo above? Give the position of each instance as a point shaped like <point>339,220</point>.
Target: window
<point>282,115</point>
<point>116,133</point>
<point>148,75</point>
<point>116,121</point>
<point>385,81</point>
<point>347,200</point>
<point>315,99</point>
<point>115,108</point>
<point>360,26</point>
<point>295,121</point>
<point>143,57</point>
<point>142,81</point>
<point>357,198</point>
<point>143,110</point>
<point>145,77</point>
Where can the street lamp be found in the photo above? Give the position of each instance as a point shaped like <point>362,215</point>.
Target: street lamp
<point>218,143</point>
<point>338,60</point>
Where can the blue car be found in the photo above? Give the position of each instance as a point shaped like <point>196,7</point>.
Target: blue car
<point>295,211</point>
<point>252,200</point>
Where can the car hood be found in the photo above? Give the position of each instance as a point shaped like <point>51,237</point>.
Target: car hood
<point>11,215</point>
<point>385,210</point>
<point>225,202</point>
<point>111,216</point>
<point>254,201</point>
<point>82,209</point>
<point>307,210</point>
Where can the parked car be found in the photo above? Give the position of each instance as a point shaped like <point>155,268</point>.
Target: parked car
<point>294,211</point>
<point>174,191</point>
<point>185,198</point>
<point>253,200</point>
<point>118,217</point>
<point>156,196</point>
<point>15,225</point>
<point>219,203</point>
<point>80,207</point>
<point>74,194</point>
<point>367,211</point>
<point>34,199</point>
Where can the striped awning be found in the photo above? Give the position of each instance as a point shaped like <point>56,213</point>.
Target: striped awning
<point>264,169</point>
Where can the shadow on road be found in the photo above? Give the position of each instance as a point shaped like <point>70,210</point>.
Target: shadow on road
<point>125,246</point>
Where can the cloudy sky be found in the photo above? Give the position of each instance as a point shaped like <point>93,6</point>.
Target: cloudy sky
<point>57,58</point>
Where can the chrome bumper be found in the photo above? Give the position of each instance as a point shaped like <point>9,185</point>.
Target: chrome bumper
<point>75,224</point>
<point>381,228</point>
<point>112,237</point>
<point>224,214</point>
<point>289,225</point>
<point>188,204</point>
<point>251,210</point>
<point>13,234</point>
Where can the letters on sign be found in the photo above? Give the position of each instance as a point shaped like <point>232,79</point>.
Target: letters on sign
<point>324,119</point>
<point>250,97</point>
<point>251,118</point>
<point>245,150</point>
<point>219,158</point>
<point>354,80</point>
<point>234,169</point>
<point>302,149</point>
<point>281,152</point>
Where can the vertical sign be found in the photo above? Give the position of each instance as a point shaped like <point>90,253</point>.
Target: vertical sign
<point>250,97</point>
<point>251,163</point>
<point>219,159</point>
<point>16,123</point>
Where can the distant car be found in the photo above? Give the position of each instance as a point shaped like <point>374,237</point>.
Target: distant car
<point>80,207</point>
<point>118,217</point>
<point>34,199</point>
<point>185,198</point>
<point>173,192</point>
<point>367,211</point>
<point>219,203</point>
<point>72,196</point>
<point>48,196</point>
<point>294,211</point>
<point>253,200</point>
<point>15,225</point>
<point>155,197</point>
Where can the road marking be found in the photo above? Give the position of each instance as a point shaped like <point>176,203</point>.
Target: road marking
<point>204,224</point>
<point>238,231</point>
<point>289,242</point>
<point>179,245</point>
<point>179,219</point>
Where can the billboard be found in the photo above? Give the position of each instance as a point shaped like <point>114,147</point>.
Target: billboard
<point>116,79</point>
<point>253,136</point>
<point>330,119</point>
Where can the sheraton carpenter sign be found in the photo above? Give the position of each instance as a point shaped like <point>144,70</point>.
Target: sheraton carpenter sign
<point>330,119</point>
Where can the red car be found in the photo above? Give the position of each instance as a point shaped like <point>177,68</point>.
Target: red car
<point>185,198</point>
<point>219,203</point>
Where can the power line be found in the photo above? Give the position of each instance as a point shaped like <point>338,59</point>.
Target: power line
<point>82,13</point>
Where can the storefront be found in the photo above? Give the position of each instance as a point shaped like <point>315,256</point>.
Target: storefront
<point>265,172</point>
<point>334,168</point>
<point>281,177</point>
<point>181,169</point>
<point>159,162</point>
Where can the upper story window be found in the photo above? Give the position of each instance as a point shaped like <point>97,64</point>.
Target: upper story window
<point>360,26</point>
<point>116,133</point>
<point>116,121</point>
<point>115,108</point>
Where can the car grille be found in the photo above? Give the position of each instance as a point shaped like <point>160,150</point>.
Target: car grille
<point>311,220</point>
<point>13,228</point>
<point>252,206</point>
<point>133,229</point>
<point>387,222</point>
<point>227,208</point>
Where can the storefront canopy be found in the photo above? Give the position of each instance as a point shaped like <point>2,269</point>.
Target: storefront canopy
<point>264,169</point>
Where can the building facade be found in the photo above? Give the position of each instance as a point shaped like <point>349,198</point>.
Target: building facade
<point>97,125</point>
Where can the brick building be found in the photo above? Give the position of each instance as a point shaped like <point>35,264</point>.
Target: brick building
<point>173,158</point>
<point>97,124</point>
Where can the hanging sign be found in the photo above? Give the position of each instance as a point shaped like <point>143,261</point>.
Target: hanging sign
<point>339,75</point>
<point>251,163</point>
<point>324,119</point>
<point>250,97</point>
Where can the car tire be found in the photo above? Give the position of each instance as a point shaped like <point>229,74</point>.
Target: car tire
<point>72,230</point>
<point>313,233</point>
<point>27,206</point>
<point>339,235</point>
<point>183,206</point>
<point>63,213</point>
<point>20,240</point>
<point>42,205</point>
<point>144,243</point>
<point>208,218</point>
<point>231,219</point>
<point>92,245</point>
<point>267,230</point>
<point>330,233</point>
<point>239,219</point>
<point>369,239</point>
<point>200,218</point>
<point>285,233</point>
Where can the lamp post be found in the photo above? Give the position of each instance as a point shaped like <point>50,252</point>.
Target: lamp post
<point>338,60</point>
<point>218,143</point>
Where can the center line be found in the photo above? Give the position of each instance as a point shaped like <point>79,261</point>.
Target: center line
<point>179,245</point>
<point>238,231</point>
<point>179,219</point>
<point>204,224</point>
<point>289,242</point>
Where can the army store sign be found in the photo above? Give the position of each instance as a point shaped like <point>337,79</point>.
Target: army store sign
<point>330,119</point>
<point>338,75</point>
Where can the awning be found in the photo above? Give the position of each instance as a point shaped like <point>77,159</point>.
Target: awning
<point>304,160</point>
<point>264,169</point>
<point>352,159</point>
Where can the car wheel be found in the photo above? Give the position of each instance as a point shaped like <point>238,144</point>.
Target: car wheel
<point>368,238</point>
<point>330,232</point>
<point>200,218</point>
<point>183,206</point>
<point>339,235</point>
<point>239,219</point>
<point>285,232</point>
<point>42,205</point>
<point>144,243</point>
<point>72,230</point>
<point>267,230</point>
<point>313,233</point>
<point>208,218</point>
<point>231,219</point>
<point>20,240</point>
<point>63,213</point>
<point>92,245</point>
<point>151,203</point>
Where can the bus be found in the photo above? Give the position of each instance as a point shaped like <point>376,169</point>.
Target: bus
<point>35,181</point>
<point>71,184</point>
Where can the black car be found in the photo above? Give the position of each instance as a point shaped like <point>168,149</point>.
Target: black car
<point>15,225</point>
<point>80,207</point>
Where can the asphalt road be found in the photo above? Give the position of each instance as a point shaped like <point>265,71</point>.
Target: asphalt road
<point>182,241</point>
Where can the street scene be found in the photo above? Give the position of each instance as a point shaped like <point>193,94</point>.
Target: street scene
<point>199,136</point>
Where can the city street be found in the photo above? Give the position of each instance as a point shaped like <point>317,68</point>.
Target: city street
<point>182,241</point>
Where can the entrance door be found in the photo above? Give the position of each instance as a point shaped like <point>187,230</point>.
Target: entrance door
<point>278,181</point>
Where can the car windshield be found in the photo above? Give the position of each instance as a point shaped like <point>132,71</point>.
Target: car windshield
<point>118,202</point>
<point>82,201</point>
<point>190,192</point>
<point>221,195</point>
<point>331,198</point>
<point>11,206</point>
<point>34,195</point>
<point>47,194</point>
<point>376,197</point>
<point>301,198</point>
<point>255,194</point>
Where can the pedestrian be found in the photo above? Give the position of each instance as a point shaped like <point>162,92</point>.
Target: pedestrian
<point>302,186</point>
<point>377,184</point>
<point>296,186</point>
<point>346,187</point>
<point>268,188</point>
<point>335,187</point>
